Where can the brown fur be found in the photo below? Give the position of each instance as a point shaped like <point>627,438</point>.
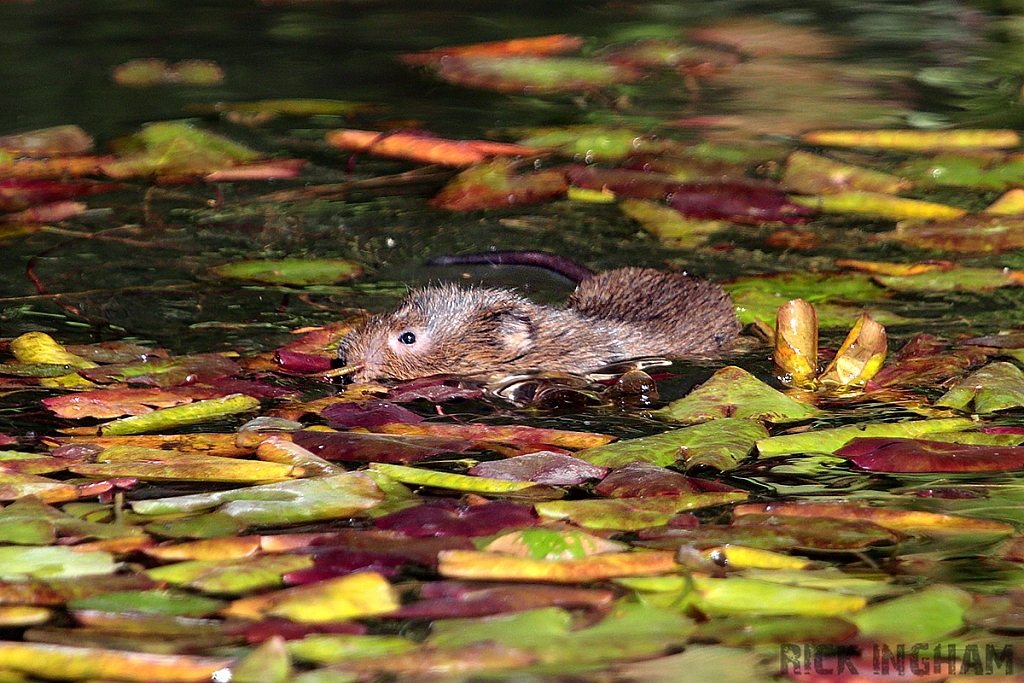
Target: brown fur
<point>616,315</point>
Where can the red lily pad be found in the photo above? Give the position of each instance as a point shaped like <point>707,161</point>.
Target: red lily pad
<point>641,479</point>
<point>257,632</point>
<point>377,447</point>
<point>544,467</point>
<point>458,599</point>
<point>448,518</point>
<point>17,194</point>
<point>372,413</point>
<point>328,564</point>
<point>433,389</point>
<point>913,455</point>
<point>302,363</point>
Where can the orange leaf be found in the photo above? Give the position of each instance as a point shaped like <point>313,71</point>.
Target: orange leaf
<point>559,43</point>
<point>422,147</point>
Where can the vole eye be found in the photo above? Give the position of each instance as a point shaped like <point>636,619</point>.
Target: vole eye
<point>407,338</point>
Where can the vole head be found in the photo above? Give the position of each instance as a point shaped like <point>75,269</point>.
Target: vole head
<point>442,329</point>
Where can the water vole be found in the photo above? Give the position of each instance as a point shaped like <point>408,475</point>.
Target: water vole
<point>612,316</point>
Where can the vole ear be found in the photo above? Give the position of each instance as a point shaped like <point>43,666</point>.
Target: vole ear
<point>515,332</point>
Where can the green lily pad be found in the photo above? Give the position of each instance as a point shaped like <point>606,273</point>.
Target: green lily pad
<point>831,440</point>
<point>997,386</point>
<point>630,514</point>
<point>150,602</point>
<point>928,614</point>
<point>293,271</point>
<point>954,279</point>
<point>737,595</point>
<point>326,649</point>
<point>720,443</point>
<point>52,562</point>
<point>734,392</point>
<point>233,576</point>
<point>301,500</point>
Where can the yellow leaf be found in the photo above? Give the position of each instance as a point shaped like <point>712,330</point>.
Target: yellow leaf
<point>796,341</point>
<point>860,356</point>
<point>471,564</point>
<point>355,596</point>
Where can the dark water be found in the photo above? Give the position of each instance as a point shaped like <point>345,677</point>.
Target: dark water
<point>150,283</point>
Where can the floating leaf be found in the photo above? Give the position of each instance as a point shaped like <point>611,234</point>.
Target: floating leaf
<point>47,142</point>
<point>174,148</point>
<point>423,147</point>
<point>480,566</point>
<point>52,562</point>
<point>997,386</point>
<point>108,403</point>
<point>165,372</point>
<point>925,615</point>
<point>297,272</point>
<point>301,500</point>
<point>880,205</point>
<point>720,444</point>
<point>829,440</point>
<point>190,413</point>
<point>327,649</point>
<point>548,544</point>
<point>350,446</point>
<point>640,479</point>
<point>929,523</point>
<point>669,225</point>
<point>554,44</point>
<point>38,347</point>
<point>971,234</point>
<point>445,480</point>
<point>544,467</point>
<point>372,413</point>
<point>914,140</point>
<point>630,514</point>
<point>453,599</point>
<point>165,602</point>
<point>520,435</point>
<point>348,597</point>
<point>82,663</point>
<point>737,595</point>
<point>813,174</point>
<point>911,455</point>
<point>447,518</point>
<point>760,37</point>
<point>496,185</point>
<point>594,143</point>
<point>533,75</point>
<point>734,392</point>
<point>153,464</point>
<point>956,279</point>
<point>231,576</point>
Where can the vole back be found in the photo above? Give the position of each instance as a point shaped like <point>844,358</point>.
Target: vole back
<point>613,316</point>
